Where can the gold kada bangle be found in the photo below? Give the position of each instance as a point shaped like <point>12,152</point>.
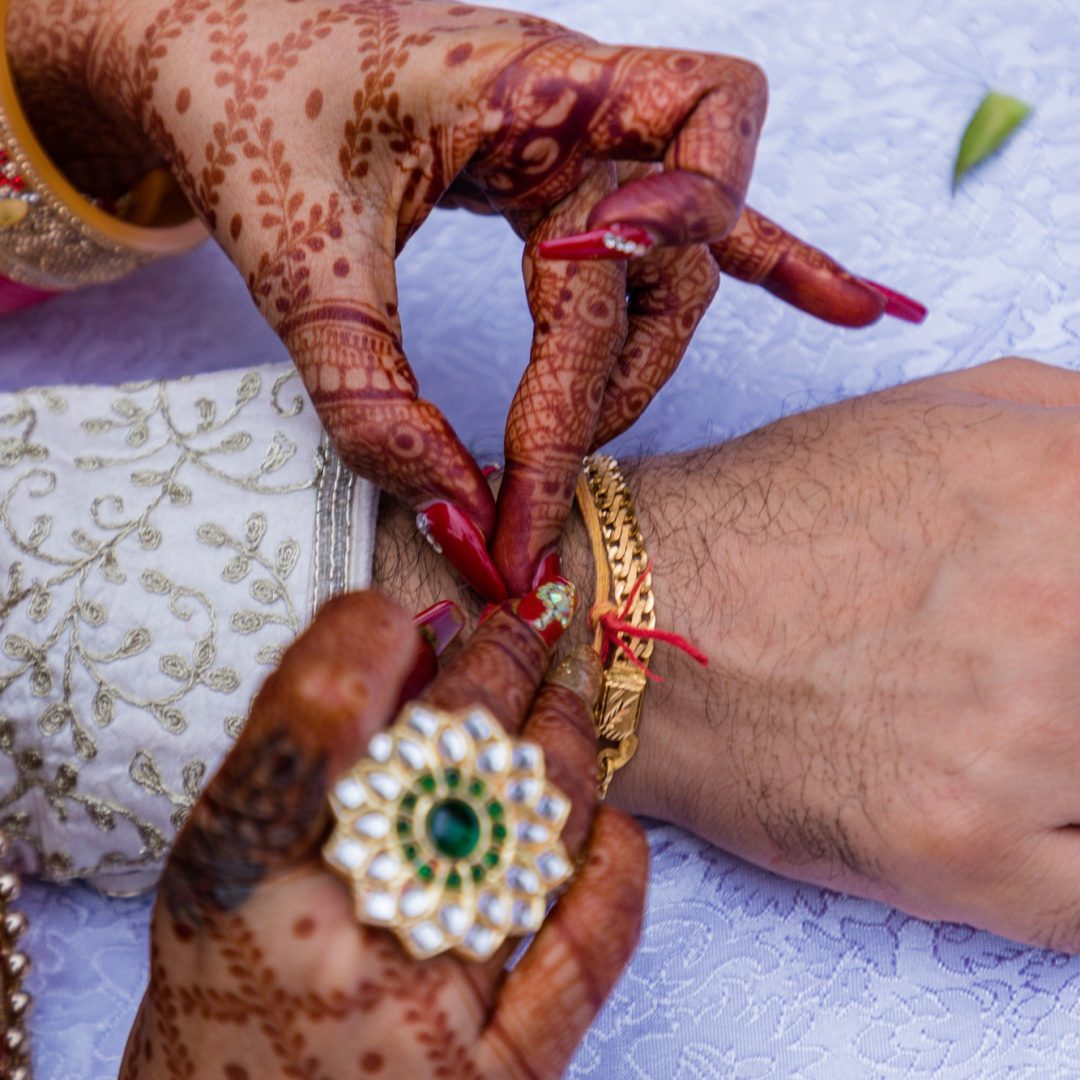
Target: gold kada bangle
<point>623,585</point>
<point>51,236</point>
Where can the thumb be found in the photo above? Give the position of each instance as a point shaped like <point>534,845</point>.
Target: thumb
<point>264,811</point>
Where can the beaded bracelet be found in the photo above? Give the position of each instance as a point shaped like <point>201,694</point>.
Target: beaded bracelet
<point>14,1001</point>
<point>53,238</point>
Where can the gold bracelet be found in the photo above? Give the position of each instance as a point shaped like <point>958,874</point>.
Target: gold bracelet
<point>621,565</point>
<point>51,236</point>
<point>14,1001</point>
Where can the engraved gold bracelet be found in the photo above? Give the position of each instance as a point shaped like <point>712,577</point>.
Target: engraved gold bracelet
<point>53,238</point>
<point>621,565</point>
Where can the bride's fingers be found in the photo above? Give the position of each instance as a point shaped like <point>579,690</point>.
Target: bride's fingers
<point>552,996</point>
<point>346,340</point>
<point>579,316</point>
<point>562,725</point>
<point>265,809</point>
<point>667,295</point>
<point>760,252</point>
<point>502,665</point>
<point>698,113</point>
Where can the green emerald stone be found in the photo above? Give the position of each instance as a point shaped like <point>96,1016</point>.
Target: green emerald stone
<point>453,827</point>
<point>453,880</point>
<point>425,872</point>
<point>495,809</point>
<point>427,782</point>
<point>477,788</point>
<point>499,832</point>
<point>478,873</point>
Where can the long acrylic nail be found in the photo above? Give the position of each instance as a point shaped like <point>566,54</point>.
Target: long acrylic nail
<point>897,304</point>
<point>440,624</point>
<point>548,569</point>
<point>423,672</point>
<point>548,609</point>
<point>452,534</point>
<point>614,242</point>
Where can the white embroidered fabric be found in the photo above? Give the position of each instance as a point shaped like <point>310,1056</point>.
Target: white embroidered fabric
<point>162,542</point>
<point>739,973</point>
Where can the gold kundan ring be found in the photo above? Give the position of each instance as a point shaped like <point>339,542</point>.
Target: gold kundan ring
<point>448,833</point>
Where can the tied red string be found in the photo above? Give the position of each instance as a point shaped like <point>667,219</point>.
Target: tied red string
<point>612,623</point>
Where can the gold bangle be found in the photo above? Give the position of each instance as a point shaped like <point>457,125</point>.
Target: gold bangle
<point>621,564</point>
<point>51,236</point>
<point>14,1001</point>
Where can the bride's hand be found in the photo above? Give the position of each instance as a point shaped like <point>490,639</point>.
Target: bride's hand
<point>315,139</point>
<point>259,967</point>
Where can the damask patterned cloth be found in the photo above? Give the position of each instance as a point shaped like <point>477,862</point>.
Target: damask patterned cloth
<point>739,973</point>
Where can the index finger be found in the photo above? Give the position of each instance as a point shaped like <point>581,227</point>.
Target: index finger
<point>701,116</point>
<point>346,340</point>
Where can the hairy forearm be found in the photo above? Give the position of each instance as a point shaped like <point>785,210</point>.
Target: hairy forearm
<point>687,505</point>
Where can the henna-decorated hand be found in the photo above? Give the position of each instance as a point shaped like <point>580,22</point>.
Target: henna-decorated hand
<point>259,968</point>
<point>314,139</point>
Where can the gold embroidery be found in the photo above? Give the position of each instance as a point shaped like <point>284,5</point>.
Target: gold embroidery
<point>158,463</point>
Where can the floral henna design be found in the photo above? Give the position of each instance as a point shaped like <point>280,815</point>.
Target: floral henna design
<point>350,356</point>
<point>238,833</point>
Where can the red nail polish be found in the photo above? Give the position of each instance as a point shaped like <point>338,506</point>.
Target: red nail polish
<point>452,534</point>
<point>614,242</point>
<point>548,609</point>
<point>490,470</point>
<point>548,569</point>
<point>440,624</point>
<point>897,304</point>
<point>423,671</point>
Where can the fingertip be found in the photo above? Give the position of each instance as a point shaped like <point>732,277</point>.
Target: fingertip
<point>827,291</point>
<point>340,680</point>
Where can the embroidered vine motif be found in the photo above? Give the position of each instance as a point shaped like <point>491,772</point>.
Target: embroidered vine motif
<point>156,548</point>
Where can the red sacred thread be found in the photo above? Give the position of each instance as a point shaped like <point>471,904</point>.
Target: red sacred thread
<point>612,622</point>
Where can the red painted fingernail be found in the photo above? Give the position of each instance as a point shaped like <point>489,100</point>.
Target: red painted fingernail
<point>452,534</point>
<point>548,609</point>
<point>548,570</point>
<point>490,470</point>
<point>440,624</point>
<point>424,670</point>
<point>614,242</point>
<point>897,304</point>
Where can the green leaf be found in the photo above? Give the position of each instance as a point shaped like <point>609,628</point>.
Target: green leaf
<point>996,118</point>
